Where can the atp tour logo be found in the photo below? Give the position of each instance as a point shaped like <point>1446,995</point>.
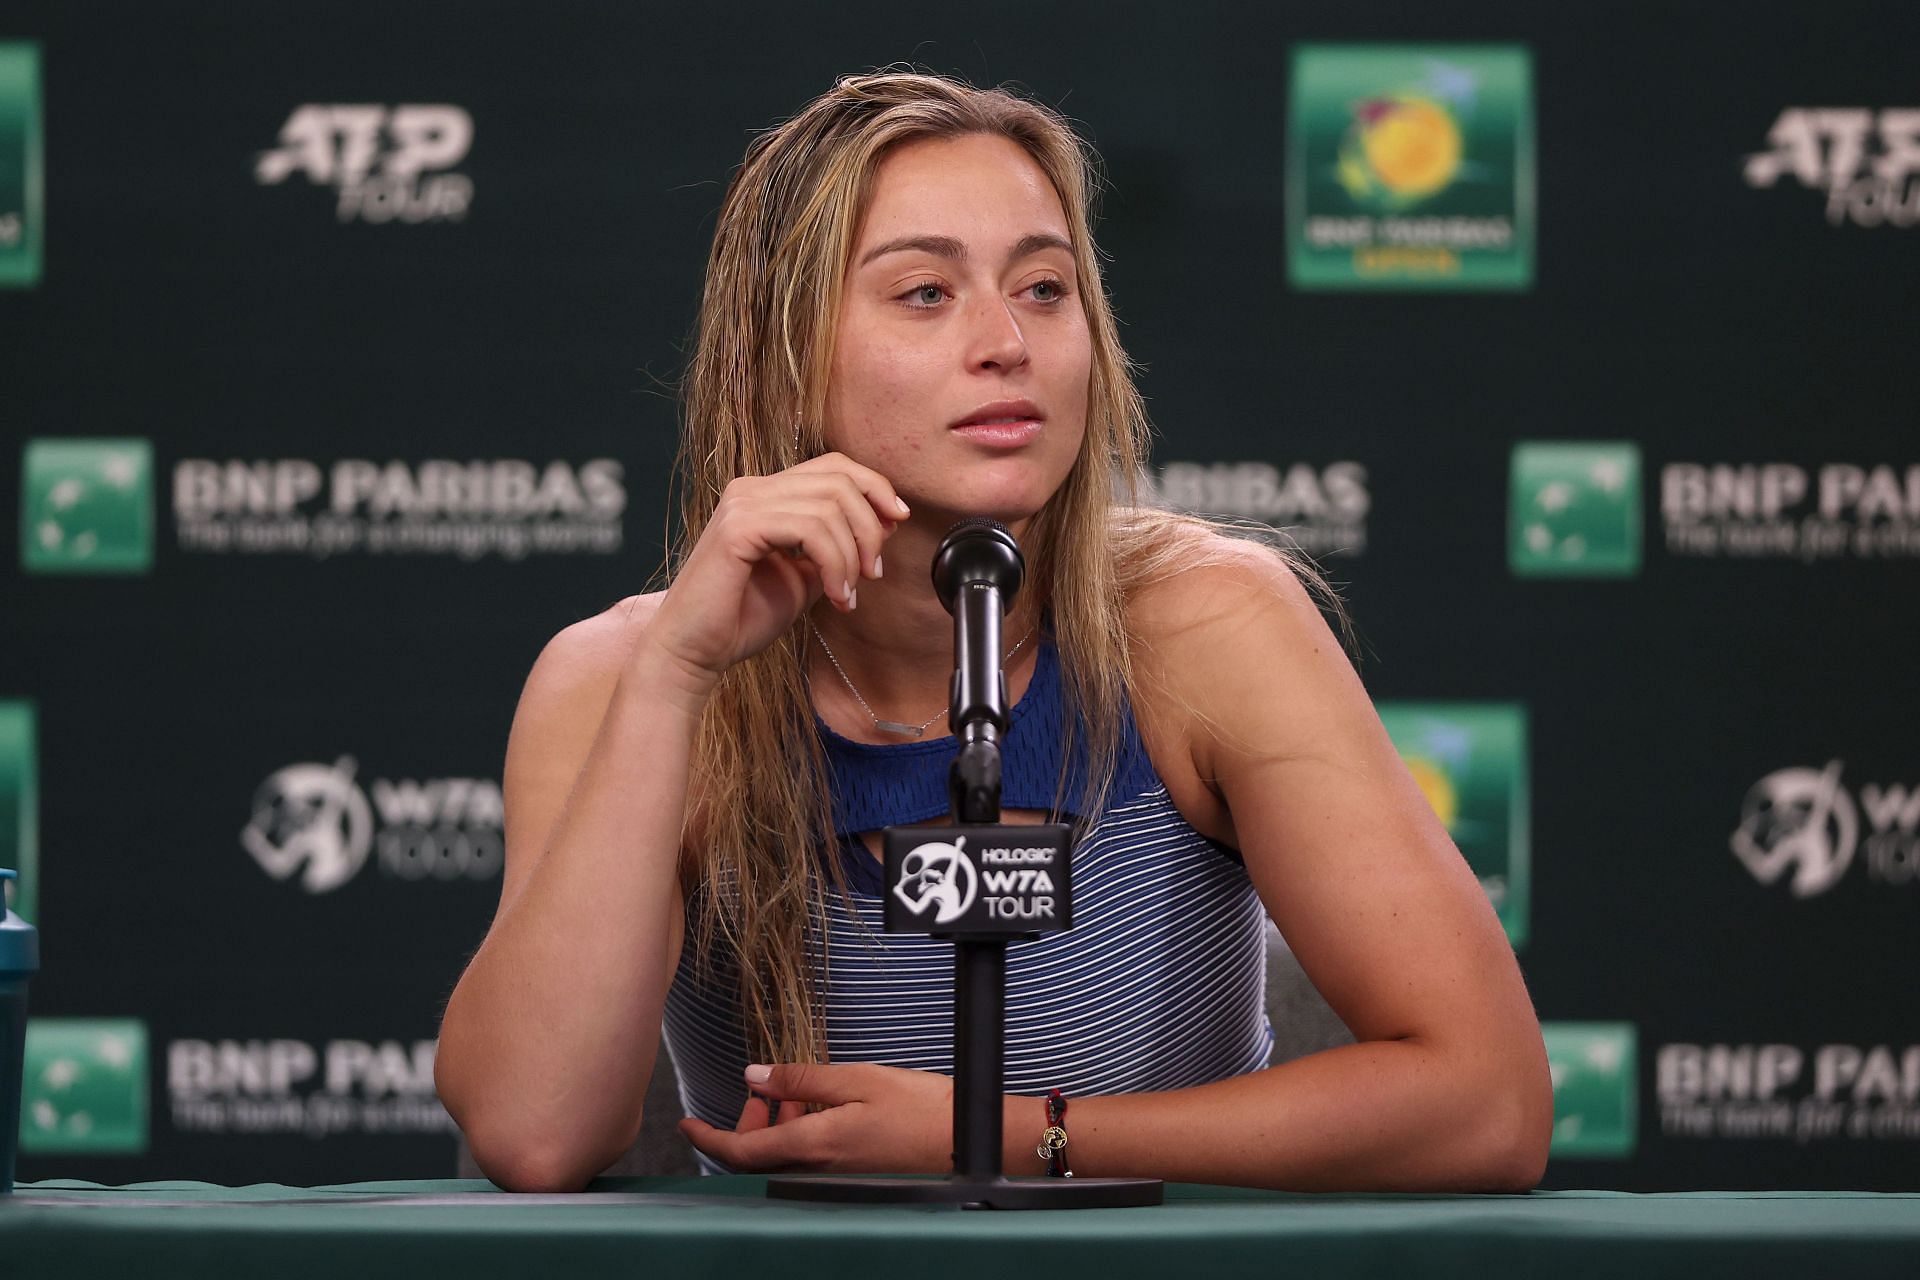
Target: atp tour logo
<point>938,875</point>
<point>388,164</point>
<point>1805,821</point>
<point>1867,162</point>
<point>314,820</point>
<point>1323,508</point>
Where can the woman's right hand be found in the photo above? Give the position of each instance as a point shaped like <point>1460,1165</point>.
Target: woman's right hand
<point>774,545</point>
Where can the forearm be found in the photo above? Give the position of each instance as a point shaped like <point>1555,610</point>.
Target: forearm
<point>549,1039</point>
<point>1381,1116</point>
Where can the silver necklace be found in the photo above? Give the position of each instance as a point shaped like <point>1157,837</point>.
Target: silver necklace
<point>894,726</point>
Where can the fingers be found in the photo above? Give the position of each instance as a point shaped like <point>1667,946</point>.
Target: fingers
<point>803,1082</point>
<point>801,1145</point>
<point>876,488</point>
<point>852,506</point>
<point>829,511</point>
<point>757,1113</point>
<point>773,523</point>
<point>753,1115</point>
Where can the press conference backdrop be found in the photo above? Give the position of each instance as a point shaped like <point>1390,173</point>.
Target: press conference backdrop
<point>1576,341</point>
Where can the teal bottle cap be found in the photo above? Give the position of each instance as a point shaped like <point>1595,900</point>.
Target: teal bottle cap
<point>19,941</point>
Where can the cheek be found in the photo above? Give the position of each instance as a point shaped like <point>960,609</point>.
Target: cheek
<point>873,385</point>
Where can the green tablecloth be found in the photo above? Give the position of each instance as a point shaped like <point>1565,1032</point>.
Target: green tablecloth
<point>725,1226</point>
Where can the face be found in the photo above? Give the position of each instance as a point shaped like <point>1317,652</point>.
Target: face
<point>961,304</point>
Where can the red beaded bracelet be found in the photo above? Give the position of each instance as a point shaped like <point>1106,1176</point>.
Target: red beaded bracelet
<point>1053,1143</point>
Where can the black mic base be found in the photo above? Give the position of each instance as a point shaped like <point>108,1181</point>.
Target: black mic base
<point>972,1193</point>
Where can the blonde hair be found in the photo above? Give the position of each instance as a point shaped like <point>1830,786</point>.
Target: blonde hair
<point>760,363</point>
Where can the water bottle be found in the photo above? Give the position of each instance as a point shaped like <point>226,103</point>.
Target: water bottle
<point>19,961</point>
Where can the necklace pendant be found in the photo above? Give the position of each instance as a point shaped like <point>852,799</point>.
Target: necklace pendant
<point>904,730</point>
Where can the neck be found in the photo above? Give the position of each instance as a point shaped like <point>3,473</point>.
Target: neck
<point>897,647</point>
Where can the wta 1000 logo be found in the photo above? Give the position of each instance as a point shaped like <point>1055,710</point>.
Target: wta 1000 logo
<point>314,823</point>
<point>385,164</point>
<point>1803,826</point>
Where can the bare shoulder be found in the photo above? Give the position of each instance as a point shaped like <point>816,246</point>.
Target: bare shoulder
<point>592,650</point>
<point>565,699</point>
<point>1219,581</point>
<point>1235,617</point>
<point>569,688</point>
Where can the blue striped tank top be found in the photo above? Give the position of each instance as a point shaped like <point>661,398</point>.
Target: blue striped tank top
<point>1159,985</point>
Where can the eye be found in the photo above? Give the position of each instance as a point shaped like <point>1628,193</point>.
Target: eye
<point>1048,290</point>
<point>925,295</point>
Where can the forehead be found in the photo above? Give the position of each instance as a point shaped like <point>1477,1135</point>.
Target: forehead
<point>978,189</point>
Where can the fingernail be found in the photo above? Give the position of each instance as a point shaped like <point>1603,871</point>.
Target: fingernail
<point>757,1074</point>
<point>876,566</point>
<point>853,597</point>
<point>904,509</point>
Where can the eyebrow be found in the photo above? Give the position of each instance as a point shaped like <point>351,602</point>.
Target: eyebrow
<point>953,250</point>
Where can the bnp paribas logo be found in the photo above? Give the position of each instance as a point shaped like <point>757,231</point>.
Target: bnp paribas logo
<point>84,1087</point>
<point>1595,1088</point>
<point>1410,166</point>
<point>1470,761</point>
<point>86,506</point>
<point>21,166</point>
<point>19,825</point>
<point>1574,510</point>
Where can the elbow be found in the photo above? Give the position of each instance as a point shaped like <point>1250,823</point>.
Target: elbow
<point>521,1160</point>
<point>527,1167</point>
<point>515,1156</point>
<point>1518,1132</point>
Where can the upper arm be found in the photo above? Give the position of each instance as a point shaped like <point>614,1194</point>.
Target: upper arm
<point>1378,906</point>
<point>565,698</point>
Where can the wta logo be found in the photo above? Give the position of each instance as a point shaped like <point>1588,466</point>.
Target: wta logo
<point>1805,822</point>
<point>315,821</point>
<point>940,876</point>
<point>386,164</point>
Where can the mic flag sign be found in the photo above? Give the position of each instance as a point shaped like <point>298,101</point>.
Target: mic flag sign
<point>978,882</point>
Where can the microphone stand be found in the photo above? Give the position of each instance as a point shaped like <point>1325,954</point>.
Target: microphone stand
<point>941,861</point>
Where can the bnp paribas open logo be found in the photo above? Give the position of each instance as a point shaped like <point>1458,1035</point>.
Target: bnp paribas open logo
<point>1410,166</point>
<point>86,506</point>
<point>1470,761</point>
<point>1595,1068</point>
<point>19,824</point>
<point>1574,510</point>
<point>84,1087</point>
<point>21,166</point>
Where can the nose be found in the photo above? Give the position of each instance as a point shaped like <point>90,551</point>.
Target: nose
<point>996,343</point>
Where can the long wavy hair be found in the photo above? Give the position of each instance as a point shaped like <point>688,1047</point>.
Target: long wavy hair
<point>759,366</point>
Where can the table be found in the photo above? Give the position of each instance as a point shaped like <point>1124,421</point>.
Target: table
<point>724,1226</point>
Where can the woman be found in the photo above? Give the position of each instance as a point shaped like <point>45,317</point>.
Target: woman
<point>903,325</point>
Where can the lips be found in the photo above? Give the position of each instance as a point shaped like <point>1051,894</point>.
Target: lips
<point>1002,413</point>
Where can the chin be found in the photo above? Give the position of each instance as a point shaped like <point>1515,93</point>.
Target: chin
<point>997,505</point>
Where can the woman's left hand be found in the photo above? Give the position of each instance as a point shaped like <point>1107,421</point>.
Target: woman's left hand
<point>877,1120</point>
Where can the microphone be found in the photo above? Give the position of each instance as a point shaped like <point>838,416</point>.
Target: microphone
<point>977,572</point>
